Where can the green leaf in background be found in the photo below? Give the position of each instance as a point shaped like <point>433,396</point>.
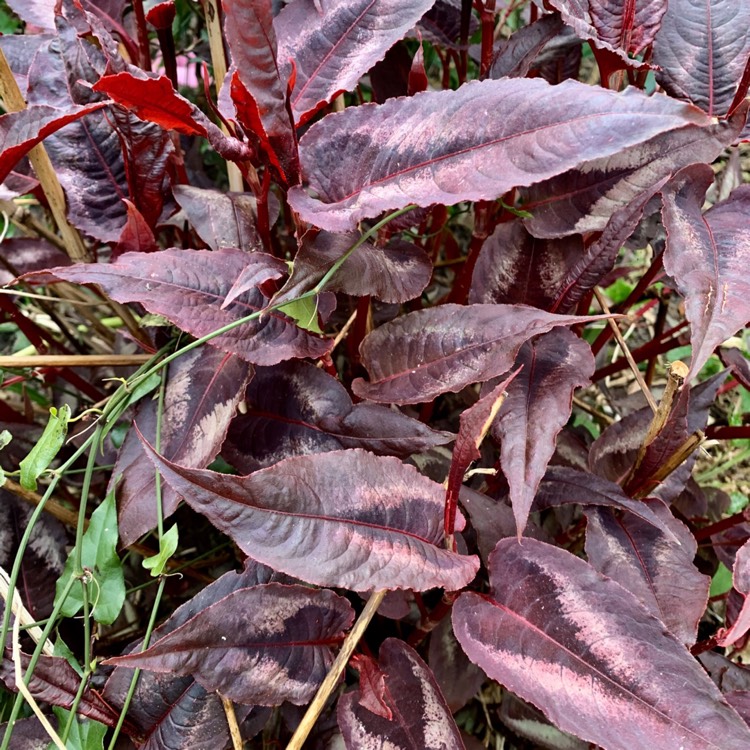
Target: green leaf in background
<point>44,452</point>
<point>106,592</point>
<point>84,735</point>
<point>721,582</point>
<point>304,312</point>
<point>167,546</point>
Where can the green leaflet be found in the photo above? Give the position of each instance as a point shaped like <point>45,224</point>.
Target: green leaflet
<point>44,452</point>
<point>167,546</point>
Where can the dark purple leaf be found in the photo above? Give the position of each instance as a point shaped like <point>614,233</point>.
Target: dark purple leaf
<point>188,287</point>
<point>493,520</point>
<point>740,702</point>
<point>367,160</point>
<point>297,409</point>
<point>588,654</point>
<point>175,712</point>
<point>659,570</point>
<point>19,51</point>
<point>154,99</point>
<point>441,24</point>
<point>729,676</point>
<point>395,273</point>
<point>419,717</point>
<point>585,201</point>
<point>334,43</point>
<point>459,679</point>
<point>738,363</point>
<point>449,347</point>
<point>475,423</point>
<point>701,50</point>
<point>36,12</point>
<point>21,131</point>
<point>741,584</point>
<point>537,407</point>
<point>26,254</point>
<point>708,256</point>
<point>307,518</point>
<point>44,558</point>
<point>624,28</point>
<point>221,219</point>
<point>202,393</point>
<point>514,267</point>
<point>264,75</point>
<point>259,646</point>
<point>54,681</point>
<point>260,269</point>
<point>390,76</point>
<point>562,485</point>
<point>29,734</point>
<point>515,56</point>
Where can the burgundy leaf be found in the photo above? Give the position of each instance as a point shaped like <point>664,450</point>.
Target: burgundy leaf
<point>659,570</point>
<point>170,711</point>
<point>264,75</point>
<point>136,235</point>
<point>449,347</point>
<point>54,681</point>
<point>19,51</point>
<point>420,718</point>
<point>306,517</point>
<point>260,270</point>
<point>297,409</point>
<point>221,219</point>
<point>741,584</point>
<point>590,656</point>
<point>335,42</point>
<point>585,201</point>
<point>370,159</point>
<point>154,99</point>
<point>21,131</point>
<point>515,56</point>
<point>459,679</point>
<point>188,287</point>
<point>26,254</point>
<point>515,267</point>
<point>708,255</point>
<point>390,76</point>
<point>260,645</point>
<point>395,273</point>
<point>475,423</point>
<point>202,393</point>
<point>624,28</point>
<point>702,49</point>
<point>740,702</point>
<point>562,485</point>
<point>36,12</point>
<point>537,407</point>
<point>737,362</point>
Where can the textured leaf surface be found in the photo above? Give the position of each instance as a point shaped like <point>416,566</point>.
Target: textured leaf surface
<point>395,273</point>
<point>171,712</point>
<point>537,407</point>
<point>420,718</point>
<point>515,56</point>
<point>449,347</point>
<point>202,393</point>
<point>624,27</point>
<point>708,256</point>
<point>374,158</point>
<point>659,570</point>
<point>515,267</point>
<point>220,219</point>
<point>188,287</point>
<point>333,43</point>
<point>297,409</point>
<point>259,645</point>
<point>702,49</point>
<point>741,584</point>
<point>305,517</point>
<point>587,652</point>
